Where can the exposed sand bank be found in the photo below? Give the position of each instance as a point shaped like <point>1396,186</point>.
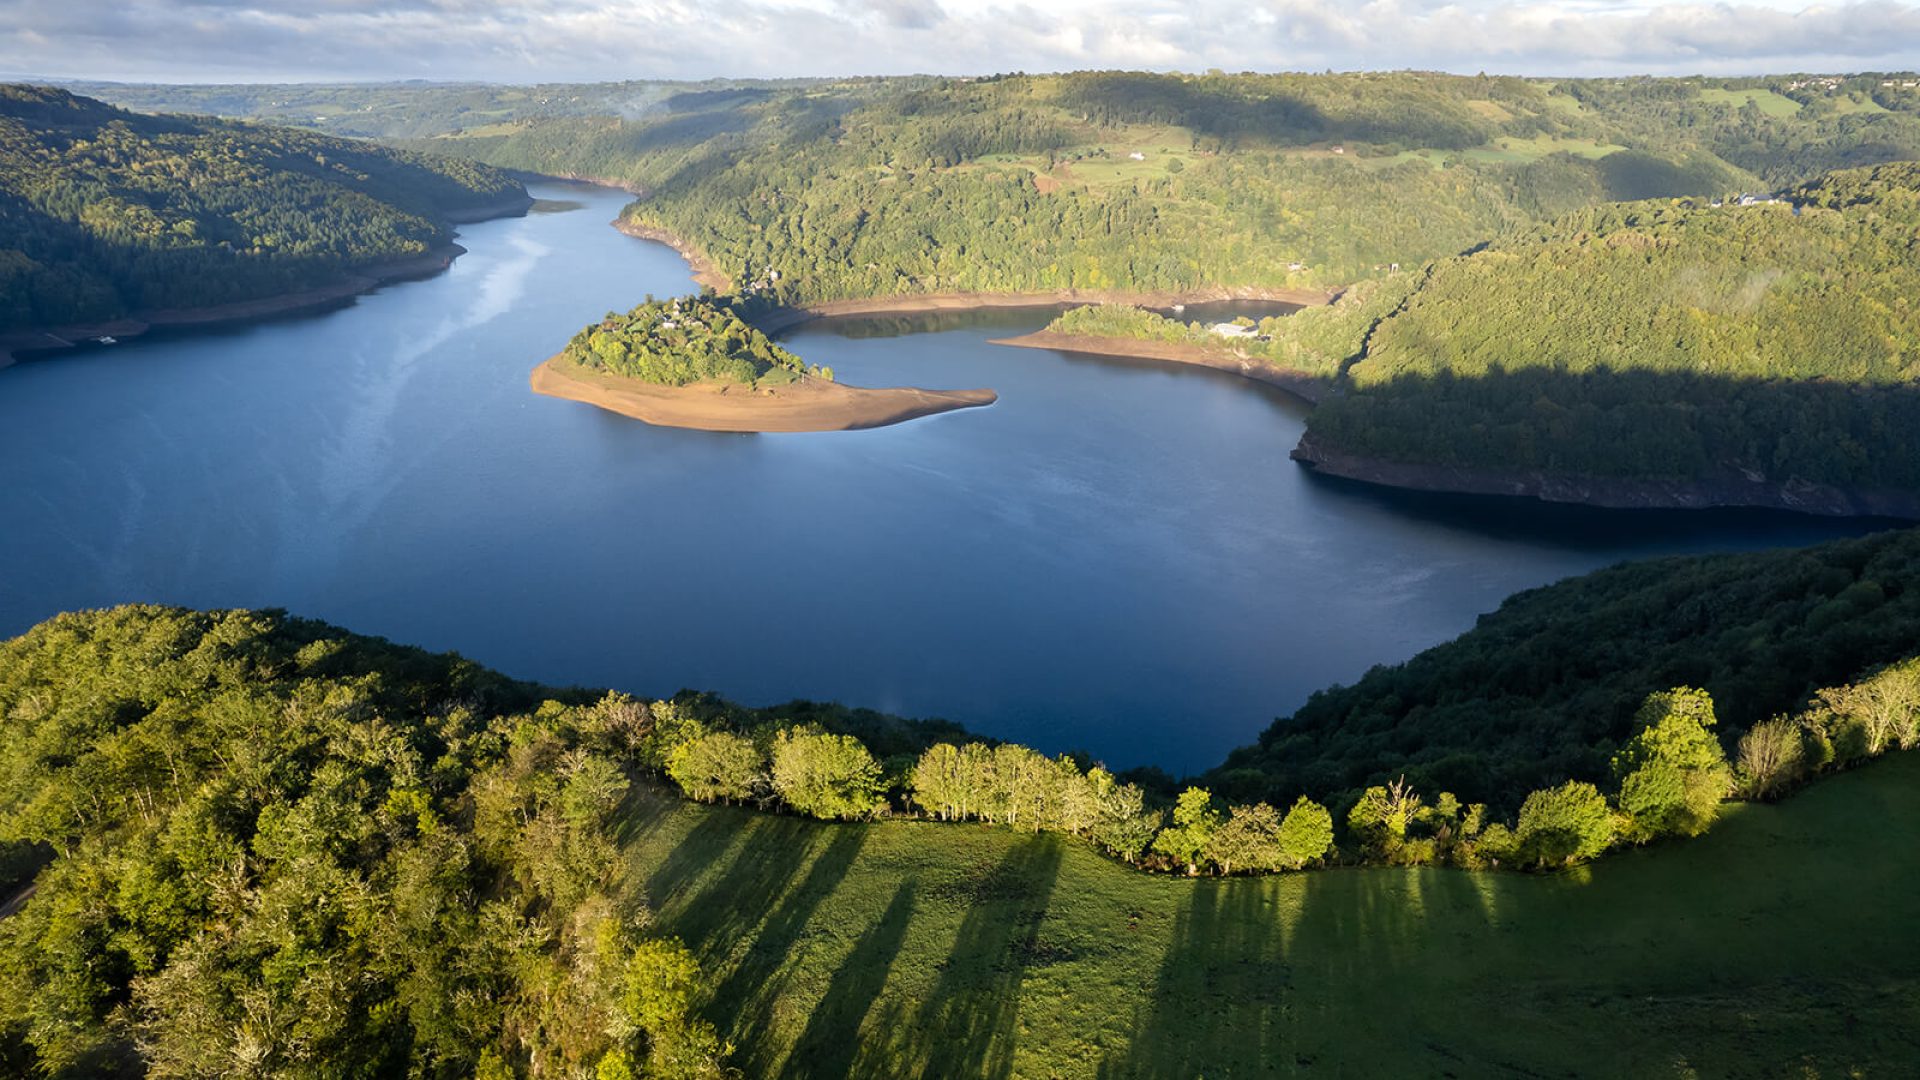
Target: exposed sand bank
<point>916,303</point>
<point>805,405</point>
<point>1311,388</point>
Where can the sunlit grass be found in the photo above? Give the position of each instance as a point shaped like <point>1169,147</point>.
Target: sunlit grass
<point>1782,940</point>
<point>1771,103</point>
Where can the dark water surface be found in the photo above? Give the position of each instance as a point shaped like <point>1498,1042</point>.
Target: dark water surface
<point>1118,556</point>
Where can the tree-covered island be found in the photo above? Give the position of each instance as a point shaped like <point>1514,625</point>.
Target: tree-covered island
<point>697,362</point>
<point>687,340</point>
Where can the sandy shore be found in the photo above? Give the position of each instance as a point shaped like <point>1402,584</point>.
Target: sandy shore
<point>912,304</point>
<point>1311,388</point>
<point>806,405</point>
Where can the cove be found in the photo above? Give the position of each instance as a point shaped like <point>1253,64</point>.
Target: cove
<point>1117,556</point>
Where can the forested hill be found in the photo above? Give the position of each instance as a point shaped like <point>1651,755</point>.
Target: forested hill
<point>1547,687</point>
<point>106,213</point>
<point>1776,343</point>
<point>1165,182</point>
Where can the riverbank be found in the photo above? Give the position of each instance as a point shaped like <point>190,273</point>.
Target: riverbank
<point>808,404</point>
<point>1610,493</point>
<point>1307,387</point>
<point>705,273</point>
<point>358,281</point>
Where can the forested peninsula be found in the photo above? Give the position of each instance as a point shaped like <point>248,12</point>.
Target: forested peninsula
<point>1684,353</point>
<point>696,362</point>
<point>111,221</point>
<point>210,817</point>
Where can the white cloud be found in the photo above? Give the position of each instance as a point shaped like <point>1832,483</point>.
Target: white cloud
<point>521,40</point>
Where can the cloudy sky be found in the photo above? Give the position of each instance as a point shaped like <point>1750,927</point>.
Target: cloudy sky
<point>527,40</point>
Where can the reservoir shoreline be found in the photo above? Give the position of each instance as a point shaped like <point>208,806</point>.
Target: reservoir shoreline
<point>1307,387</point>
<point>360,280</point>
<point>1609,493</point>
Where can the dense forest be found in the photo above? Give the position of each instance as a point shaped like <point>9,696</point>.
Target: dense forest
<point>105,213</point>
<point>261,843</point>
<point>1651,340</point>
<point>687,340</point>
<point>1547,688</point>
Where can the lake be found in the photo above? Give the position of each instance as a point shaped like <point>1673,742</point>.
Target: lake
<point>1118,556</point>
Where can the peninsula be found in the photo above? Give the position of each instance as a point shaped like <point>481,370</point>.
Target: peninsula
<point>695,362</point>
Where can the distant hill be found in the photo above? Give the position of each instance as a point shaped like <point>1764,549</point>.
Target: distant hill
<point>106,213</point>
<point>1774,344</point>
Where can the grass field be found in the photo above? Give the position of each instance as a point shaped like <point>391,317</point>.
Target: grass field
<point>1781,944</point>
<point>1502,151</point>
<point>1851,103</point>
<point>1771,103</point>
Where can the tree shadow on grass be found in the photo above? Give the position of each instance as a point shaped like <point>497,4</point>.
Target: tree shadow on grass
<point>760,905</point>
<point>1323,972</point>
<point>966,1026</point>
<point>1223,985</point>
<point>834,1034</point>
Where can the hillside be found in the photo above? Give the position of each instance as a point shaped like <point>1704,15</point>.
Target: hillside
<point>415,865</point>
<point>106,214</point>
<point>1772,346</point>
<point>1546,687</point>
<point>1673,352</point>
<point>1147,182</point>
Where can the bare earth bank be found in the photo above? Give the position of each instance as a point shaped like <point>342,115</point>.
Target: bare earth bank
<point>1610,492</point>
<point>807,404</point>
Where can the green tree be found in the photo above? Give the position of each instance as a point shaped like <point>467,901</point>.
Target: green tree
<point>827,776</point>
<point>717,765</point>
<point>1672,774</point>
<point>1306,835</point>
<point>1194,821</point>
<point>1563,825</point>
<point>1248,840</point>
<point>1381,817</point>
<point>1122,823</point>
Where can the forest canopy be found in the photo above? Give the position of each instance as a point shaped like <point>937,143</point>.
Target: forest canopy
<point>1119,180</point>
<point>105,213</point>
<point>686,340</point>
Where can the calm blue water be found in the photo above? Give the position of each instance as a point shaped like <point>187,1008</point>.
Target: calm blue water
<point>1118,556</point>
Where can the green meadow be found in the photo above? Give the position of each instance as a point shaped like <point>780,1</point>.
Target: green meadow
<point>1771,103</point>
<point>1783,943</point>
